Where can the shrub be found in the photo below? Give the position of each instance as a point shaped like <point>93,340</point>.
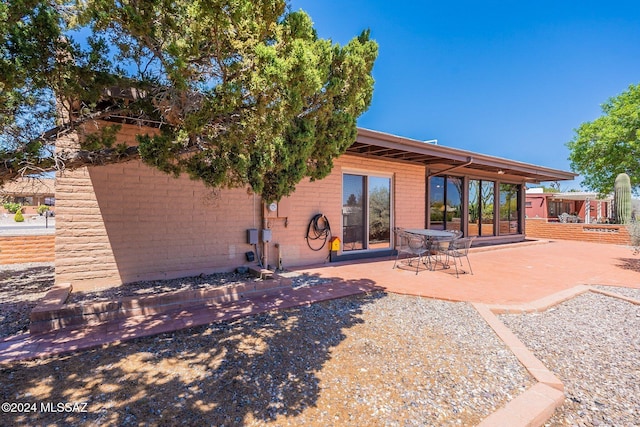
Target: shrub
<point>18,216</point>
<point>634,233</point>
<point>42,209</point>
<point>12,207</point>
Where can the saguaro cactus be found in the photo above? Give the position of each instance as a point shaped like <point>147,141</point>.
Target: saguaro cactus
<point>622,198</point>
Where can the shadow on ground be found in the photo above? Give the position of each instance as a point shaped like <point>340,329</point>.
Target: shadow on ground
<point>632,264</point>
<point>20,291</point>
<point>258,368</point>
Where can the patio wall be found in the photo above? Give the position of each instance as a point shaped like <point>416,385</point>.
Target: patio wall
<point>597,233</point>
<point>21,249</point>
<point>128,222</point>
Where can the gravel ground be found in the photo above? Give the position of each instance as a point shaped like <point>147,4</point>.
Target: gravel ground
<point>21,286</point>
<point>593,344</point>
<point>143,288</point>
<point>626,292</point>
<point>368,360</point>
<point>152,287</point>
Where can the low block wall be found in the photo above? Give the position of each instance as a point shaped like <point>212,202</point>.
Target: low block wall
<point>21,249</point>
<point>53,312</point>
<point>596,233</point>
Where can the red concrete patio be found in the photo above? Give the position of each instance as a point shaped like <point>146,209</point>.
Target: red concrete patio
<point>506,274</point>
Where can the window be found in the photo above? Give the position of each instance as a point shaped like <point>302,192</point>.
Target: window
<point>509,209</point>
<point>558,208</point>
<point>481,204</point>
<point>366,212</point>
<point>445,203</point>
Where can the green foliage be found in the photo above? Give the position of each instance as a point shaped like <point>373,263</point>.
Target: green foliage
<point>244,92</point>
<point>42,209</point>
<point>38,58</point>
<point>634,233</point>
<point>609,145</point>
<point>12,207</point>
<point>379,214</point>
<point>622,199</point>
<point>18,217</point>
<point>105,137</point>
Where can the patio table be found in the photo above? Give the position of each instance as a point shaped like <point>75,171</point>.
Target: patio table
<point>429,233</point>
<point>430,236</point>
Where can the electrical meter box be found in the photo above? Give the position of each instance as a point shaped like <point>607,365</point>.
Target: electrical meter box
<point>266,235</point>
<point>252,236</point>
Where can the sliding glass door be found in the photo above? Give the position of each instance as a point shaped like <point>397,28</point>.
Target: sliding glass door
<point>481,205</point>
<point>445,203</point>
<point>509,209</point>
<point>366,212</point>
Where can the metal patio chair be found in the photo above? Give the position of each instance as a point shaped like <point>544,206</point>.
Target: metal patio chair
<point>439,248</point>
<point>458,249</point>
<point>412,246</point>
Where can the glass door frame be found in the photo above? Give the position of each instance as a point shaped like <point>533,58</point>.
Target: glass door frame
<point>367,174</point>
<point>466,187</point>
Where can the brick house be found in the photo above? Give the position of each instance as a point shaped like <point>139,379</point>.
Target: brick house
<point>29,192</point>
<point>583,206</point>
<point>127,222</point>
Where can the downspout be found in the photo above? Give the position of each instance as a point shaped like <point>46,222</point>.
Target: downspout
<point>467,163</point>
<point>265,225</point>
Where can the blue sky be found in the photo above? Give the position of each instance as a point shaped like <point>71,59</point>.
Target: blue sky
<point>509,79</point>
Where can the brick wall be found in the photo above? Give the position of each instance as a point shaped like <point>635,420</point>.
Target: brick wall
<point>127,222</point>
<point>20,249</point>
<point>597,233</point>
<point>290,225</point>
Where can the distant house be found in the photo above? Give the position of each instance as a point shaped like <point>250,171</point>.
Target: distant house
<point>29,192</point>
<point>126,222</point>
<point>578,206</point>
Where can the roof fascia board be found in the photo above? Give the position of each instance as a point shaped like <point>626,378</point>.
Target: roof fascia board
<point>368,136</point>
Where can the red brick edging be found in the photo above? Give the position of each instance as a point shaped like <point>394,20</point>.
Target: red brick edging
<point>536,405</point>
<point>53,313</point>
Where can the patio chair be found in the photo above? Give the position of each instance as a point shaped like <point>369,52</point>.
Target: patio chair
<point>412,246</point>
<point>439,247</point>
<point>458,249</point>
<point>456,234</point>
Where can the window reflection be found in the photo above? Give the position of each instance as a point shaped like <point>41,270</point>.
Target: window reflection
<point>453,205</point>
<point>445,203</point>
<point>379,212</point>
<point>436,196</point>
<point>353,212</point>
<point>481,203</point>
<point>366,212</point>
<point>509,209</point>
<point>487,201</point>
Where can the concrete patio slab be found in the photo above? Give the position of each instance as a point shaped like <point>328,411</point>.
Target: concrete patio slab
<point>512,274</point>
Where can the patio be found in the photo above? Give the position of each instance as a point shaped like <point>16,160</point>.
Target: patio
<point>508,274</point>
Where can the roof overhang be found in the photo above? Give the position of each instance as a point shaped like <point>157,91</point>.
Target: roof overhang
<point>375,144</point>
<point>580,196</point>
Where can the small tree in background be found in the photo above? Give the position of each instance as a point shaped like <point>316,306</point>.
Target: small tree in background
<point>609,145</point>
<point>18,217</point>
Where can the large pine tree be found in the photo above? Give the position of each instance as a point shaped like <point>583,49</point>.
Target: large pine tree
<point>243,92</point>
